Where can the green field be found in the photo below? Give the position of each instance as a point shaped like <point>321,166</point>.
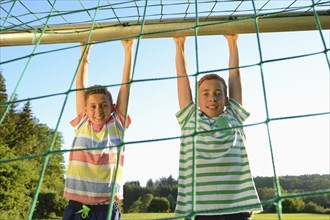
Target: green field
<point>150,216</point>
<point>142,216</point>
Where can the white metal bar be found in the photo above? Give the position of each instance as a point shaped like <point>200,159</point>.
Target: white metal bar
<point>167,28</point>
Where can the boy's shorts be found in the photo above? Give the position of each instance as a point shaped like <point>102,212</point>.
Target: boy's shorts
<point>237,216</point>
<point>75,211</point>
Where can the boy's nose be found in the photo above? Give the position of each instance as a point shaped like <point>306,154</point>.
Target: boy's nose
<point>213,98</point>
<point>100,110</point>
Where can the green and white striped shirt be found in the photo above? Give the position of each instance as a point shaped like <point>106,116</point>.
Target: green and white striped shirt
<point>223,183</point>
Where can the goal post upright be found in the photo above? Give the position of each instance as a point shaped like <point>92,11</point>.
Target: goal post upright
<point>216,25</point>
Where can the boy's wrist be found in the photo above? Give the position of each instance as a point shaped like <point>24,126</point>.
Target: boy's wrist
<point>84,61</point>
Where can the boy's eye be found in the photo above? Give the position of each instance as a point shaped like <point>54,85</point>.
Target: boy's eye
<point>218,93</point>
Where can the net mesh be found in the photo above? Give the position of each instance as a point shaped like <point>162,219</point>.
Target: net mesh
<point>30,23</point>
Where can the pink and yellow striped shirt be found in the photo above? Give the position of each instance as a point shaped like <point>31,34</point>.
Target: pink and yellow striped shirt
<point>93,160</point>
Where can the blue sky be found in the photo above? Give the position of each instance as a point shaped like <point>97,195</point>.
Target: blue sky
<point>292,87</point>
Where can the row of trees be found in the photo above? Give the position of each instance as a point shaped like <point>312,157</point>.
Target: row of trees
<point>296,185</point>
<point>138,198</point>
<point>22,135</point>
<point>158,196</point>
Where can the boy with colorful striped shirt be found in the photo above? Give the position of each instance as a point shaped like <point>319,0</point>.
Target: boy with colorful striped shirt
<point>96,160</point>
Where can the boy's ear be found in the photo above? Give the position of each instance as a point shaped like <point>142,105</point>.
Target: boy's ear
<point>113,108</point>
<point>198,103</point>
<point>227,101</point>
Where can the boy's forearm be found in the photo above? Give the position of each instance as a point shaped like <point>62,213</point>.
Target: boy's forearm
<point>127,76</point>
<point>127,72</point>
<point>82,77</point>
<point>82,74</point>
<point>234,81</point>
<point>234,57</point>
<point>181,69</point>
<point>184,91</point>
<point>180,60</point>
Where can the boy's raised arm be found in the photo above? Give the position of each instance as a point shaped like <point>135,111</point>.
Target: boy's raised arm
<point>82,78</point>
<point>234,82</point>
<point>126,78</point>
<point>184,90</point>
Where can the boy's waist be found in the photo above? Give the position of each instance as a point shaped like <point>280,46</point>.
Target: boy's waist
<point>79,204</point>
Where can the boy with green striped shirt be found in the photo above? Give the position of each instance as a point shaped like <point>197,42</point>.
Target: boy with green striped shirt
<point>215,181</point>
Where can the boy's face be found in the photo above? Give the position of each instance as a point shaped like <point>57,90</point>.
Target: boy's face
<point>98,108</point>
<point>212,98</point>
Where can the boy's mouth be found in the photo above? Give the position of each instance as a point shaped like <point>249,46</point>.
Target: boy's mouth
<point>212,106</point>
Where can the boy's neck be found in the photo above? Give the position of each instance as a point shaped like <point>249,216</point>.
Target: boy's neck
<point>97,128</point>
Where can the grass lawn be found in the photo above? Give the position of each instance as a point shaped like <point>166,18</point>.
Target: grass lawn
<point>301,216</point>
<point>149,216</point>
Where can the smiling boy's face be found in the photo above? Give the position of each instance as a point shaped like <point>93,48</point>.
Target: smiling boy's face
<point>98,108</point>
<point>212,97</point>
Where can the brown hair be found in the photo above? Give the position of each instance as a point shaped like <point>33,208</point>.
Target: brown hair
<point>97,89</point>
<point>213,76</point>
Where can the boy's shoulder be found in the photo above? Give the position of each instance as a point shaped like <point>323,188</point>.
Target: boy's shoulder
<point>237,110</point>
<point>78,119</point>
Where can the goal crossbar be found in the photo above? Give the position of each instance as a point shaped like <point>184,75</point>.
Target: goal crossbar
<point>166,28</point>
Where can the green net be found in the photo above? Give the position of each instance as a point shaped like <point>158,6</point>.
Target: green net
<point>60,22</point>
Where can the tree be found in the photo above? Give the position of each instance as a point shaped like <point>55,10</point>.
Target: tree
<point>150,186</point>
<point>168,188</point>
<point>54,177</point>
<point>15,176</point>
<point>266,193</point>
<point>294,205</point>
<point>146,200</point>
<point>312,207</point>
<point>14,195</point>
<point>21,135</point>
<point>159,204</point>
<point>3,93</point>
<point>297,184</point>
<point>50,204</point>
<point>7,127</point>
<point>172,202</point>
<point>53,181</point>
<point>135,207</point>
<point>132,192</point>
<point>26,137</point>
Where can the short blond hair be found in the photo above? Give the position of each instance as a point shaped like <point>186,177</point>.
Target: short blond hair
<point>97,89</point>
<point>213,76</point>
